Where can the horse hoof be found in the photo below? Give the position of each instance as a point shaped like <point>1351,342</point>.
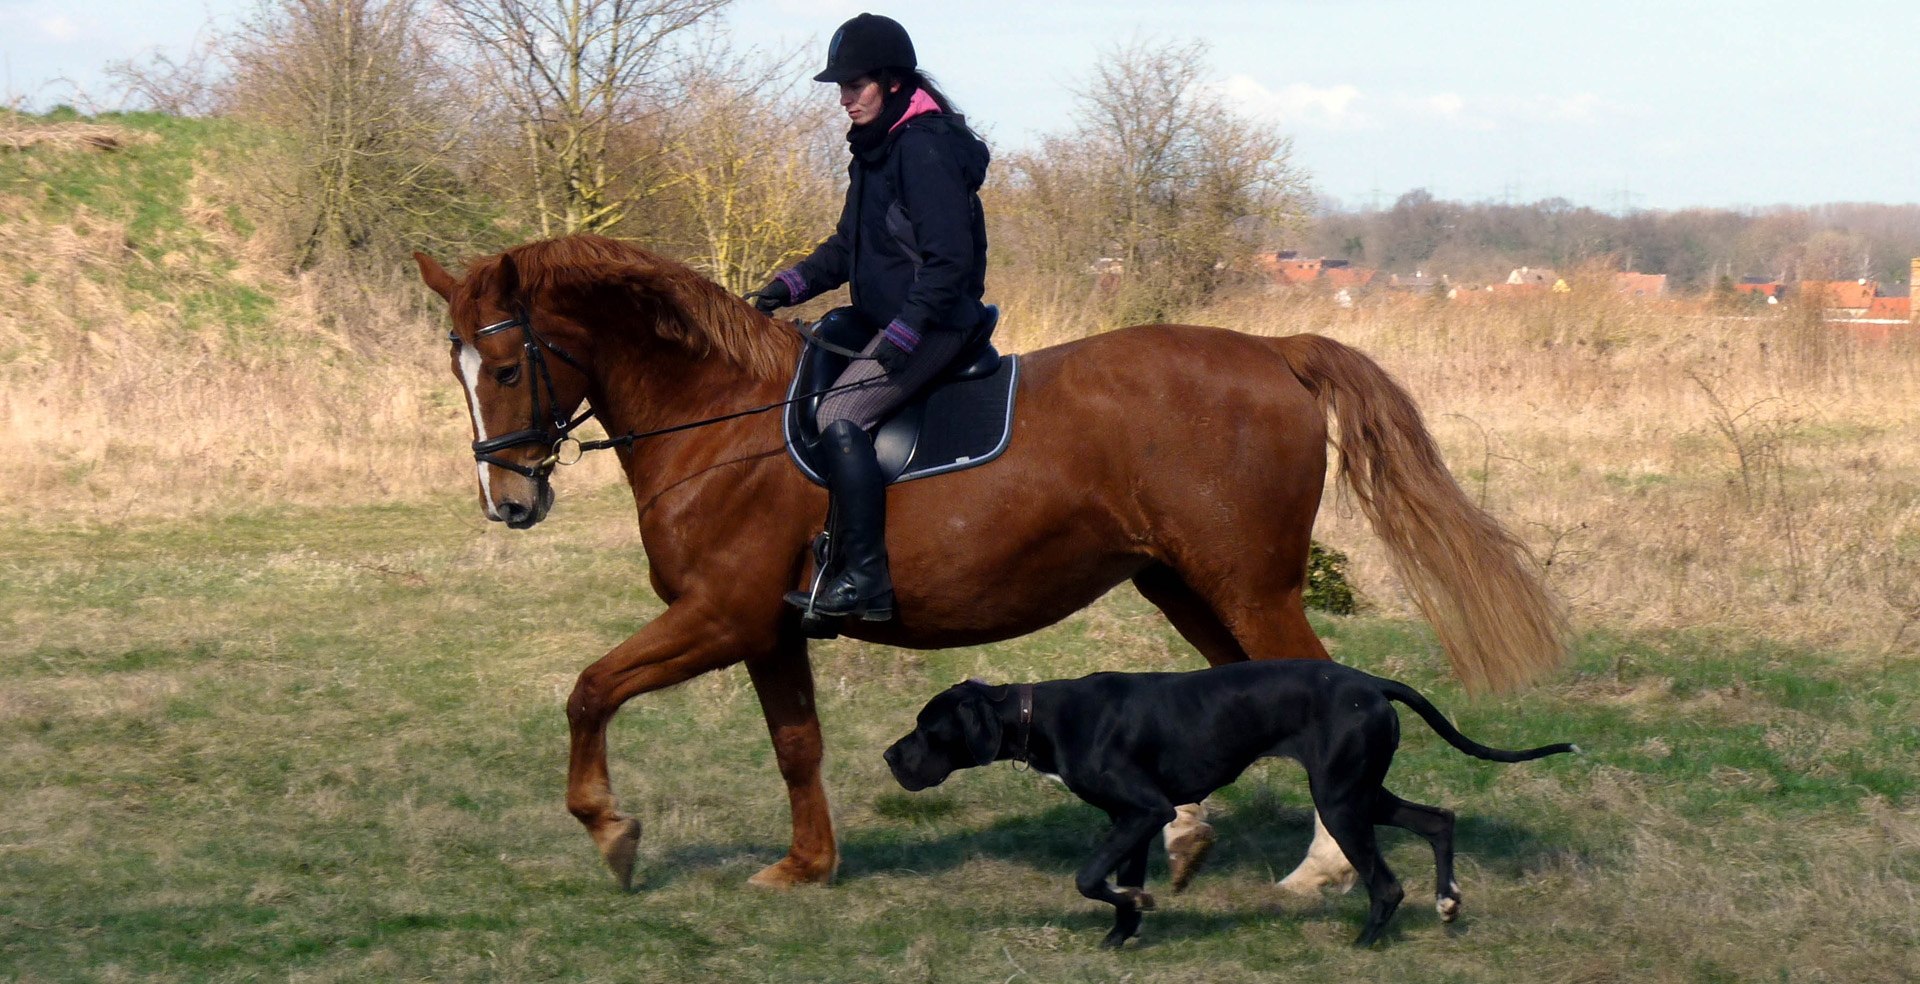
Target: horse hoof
<point>1188,850</point>
<point>1312,880</point>
<point>789,872</point>
<point>620,849</point>
<point>1139,897</point>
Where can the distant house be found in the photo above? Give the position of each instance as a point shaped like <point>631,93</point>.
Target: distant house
<point>1640,284</point>
<point>1892,302</point>
<point>1288,267</point>
<point>1769,289</point>
<point>1844,298</point>
<point>1891,309</point>
<point>1541,276</point>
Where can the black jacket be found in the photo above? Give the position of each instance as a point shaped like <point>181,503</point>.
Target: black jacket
<point>912,238</point>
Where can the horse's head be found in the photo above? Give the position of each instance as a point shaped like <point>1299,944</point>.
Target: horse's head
<point>522,383</point>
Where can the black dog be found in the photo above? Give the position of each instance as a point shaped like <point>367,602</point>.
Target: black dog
<point>1135,744</point>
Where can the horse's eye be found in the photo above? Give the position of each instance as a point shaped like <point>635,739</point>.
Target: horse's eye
<point>507,376</point>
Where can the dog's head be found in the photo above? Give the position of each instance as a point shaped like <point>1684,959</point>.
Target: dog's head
<point>958,729</point>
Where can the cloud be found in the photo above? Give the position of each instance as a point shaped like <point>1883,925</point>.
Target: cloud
<point>59,27</point>
<point>1338,107</point>
<point>1500,111</point>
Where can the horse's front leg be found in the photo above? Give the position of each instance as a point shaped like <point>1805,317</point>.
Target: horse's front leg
<point>682,643</point>
<point>784,681</point>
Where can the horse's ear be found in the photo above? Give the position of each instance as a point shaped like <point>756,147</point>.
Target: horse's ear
<point>436,276</point>
<point>509,273</point>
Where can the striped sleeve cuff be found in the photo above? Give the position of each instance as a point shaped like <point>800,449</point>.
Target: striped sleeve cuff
<point>796,284</point>
<point>900,333</point>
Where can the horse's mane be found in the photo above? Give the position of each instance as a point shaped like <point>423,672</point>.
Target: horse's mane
<point>687,307</point>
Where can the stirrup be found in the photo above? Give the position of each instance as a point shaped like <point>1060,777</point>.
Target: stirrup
<point>877,607</point>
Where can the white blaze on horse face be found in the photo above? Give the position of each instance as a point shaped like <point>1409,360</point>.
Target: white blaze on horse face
<point>470,375</point>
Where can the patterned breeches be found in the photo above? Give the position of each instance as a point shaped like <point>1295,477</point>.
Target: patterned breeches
<point>881,393</point>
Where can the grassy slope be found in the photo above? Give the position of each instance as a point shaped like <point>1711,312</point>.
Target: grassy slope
<point>329,745</point>
<point>137,228</point>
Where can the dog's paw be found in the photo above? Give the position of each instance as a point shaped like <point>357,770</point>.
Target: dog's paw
<point>1140,898</point>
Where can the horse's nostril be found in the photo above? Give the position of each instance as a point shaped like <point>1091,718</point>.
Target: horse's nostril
<point>514,512</point>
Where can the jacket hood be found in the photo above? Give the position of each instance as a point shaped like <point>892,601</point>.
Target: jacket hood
<point>971,151</point>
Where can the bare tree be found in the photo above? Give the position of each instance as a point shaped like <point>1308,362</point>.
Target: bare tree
<point>573,76</point>
<point>1161,177</point>
<point>748,169</point>
<point>187,87</point>
<point>346,91</point>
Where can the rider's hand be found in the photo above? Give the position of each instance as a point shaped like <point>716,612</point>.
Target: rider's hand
<point>774,296</point>
<point>891,357</point>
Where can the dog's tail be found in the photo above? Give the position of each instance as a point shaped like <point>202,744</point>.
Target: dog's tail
<point>1395,690</point>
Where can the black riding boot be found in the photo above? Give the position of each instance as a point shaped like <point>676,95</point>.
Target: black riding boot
<point>862,588</point>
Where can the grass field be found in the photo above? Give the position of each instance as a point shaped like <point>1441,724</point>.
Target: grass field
<point>275,703</point>
<point>312,745</point>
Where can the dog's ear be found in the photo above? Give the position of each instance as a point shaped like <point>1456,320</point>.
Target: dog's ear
<point>980,726</point>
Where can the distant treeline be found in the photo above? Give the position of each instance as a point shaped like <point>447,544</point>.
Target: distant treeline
<point>1693,247</point>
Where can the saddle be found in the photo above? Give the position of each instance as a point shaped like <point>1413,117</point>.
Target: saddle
<point>964,418</point>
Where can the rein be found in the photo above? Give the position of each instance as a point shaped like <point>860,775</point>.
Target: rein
<point>536,433</point>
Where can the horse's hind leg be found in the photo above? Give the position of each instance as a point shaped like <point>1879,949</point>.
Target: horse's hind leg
<point>1283,630</point>
<point>1190,614</point>
<point>1189,837</point>
<point>784,682</point>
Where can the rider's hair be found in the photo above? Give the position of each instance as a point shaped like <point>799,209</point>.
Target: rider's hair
<point>918,79</point>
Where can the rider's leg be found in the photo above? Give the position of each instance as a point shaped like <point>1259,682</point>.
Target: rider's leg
<point>862,588</point>
<point>846,418</point>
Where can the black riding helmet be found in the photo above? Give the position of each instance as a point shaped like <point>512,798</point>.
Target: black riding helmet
<point>865,45</point>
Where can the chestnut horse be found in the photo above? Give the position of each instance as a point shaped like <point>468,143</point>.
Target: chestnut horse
<point>1190,460</point>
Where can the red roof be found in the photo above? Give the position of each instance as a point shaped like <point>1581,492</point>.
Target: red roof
<point>1841,293</point>
<point>1640,284</point>
<point>1897,308</point>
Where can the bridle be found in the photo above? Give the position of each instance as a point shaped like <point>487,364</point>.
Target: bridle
<point>551,433</point>
<point>559,433</point>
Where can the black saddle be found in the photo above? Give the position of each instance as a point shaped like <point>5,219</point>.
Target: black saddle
<point>961,419</point>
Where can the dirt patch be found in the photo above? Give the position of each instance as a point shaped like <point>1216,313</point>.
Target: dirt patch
<point>96,137</point>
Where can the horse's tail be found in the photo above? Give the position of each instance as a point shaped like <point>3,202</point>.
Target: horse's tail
<point>1472,578</point>
<point>1395,690</point>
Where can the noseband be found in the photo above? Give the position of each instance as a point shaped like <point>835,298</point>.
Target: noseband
<point>551,432</point>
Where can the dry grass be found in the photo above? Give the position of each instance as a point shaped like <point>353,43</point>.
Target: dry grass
<point>17,135</point>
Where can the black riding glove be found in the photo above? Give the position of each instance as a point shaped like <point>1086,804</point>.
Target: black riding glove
<point>774,296</point>
<point>891,357</point>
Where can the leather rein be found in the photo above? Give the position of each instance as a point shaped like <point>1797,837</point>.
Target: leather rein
<point>558,433</point>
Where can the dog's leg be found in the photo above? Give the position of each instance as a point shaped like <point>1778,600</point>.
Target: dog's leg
<point>1436,825</point>
<point>1352,828</point>
<point>1132,832</point>
<point>1189,837</point>
<point>1324,866</point>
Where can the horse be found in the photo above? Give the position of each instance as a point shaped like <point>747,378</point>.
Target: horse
<point>1189,460</point>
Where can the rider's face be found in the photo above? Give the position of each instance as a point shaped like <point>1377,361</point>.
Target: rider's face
<point>861,99</point>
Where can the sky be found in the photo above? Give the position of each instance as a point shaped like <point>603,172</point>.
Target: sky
<point>1624,104</point>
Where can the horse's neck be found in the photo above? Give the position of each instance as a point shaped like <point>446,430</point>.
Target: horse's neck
<point>645,388</point>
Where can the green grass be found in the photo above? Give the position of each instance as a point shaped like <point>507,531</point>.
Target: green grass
<point>329,745</point>
<point>142,193</point>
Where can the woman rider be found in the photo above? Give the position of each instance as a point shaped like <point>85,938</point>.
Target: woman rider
<point>912,240</point>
